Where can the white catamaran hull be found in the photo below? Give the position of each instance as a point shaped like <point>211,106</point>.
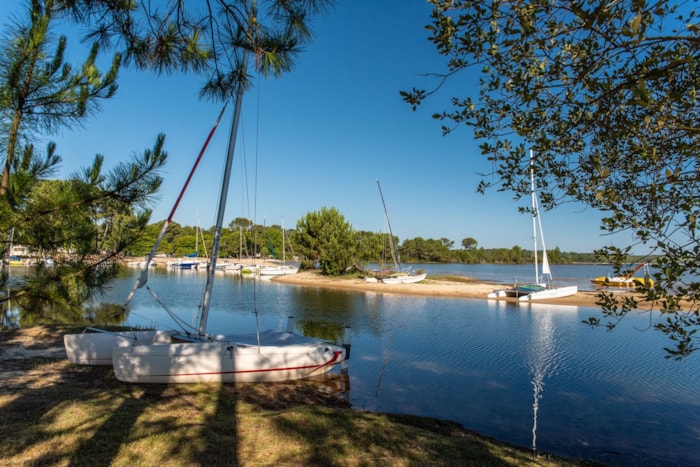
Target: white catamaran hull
<point>278,270</point>
<point>555,292</point>
<point>404,279</point>
<point>226,361</point>
<point>95,348</point>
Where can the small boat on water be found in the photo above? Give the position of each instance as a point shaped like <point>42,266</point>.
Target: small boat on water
<point>627,280</point>
<point>15,261</point>
<point>140,264</point>
<point>184,264</point>
<point>231,267</point>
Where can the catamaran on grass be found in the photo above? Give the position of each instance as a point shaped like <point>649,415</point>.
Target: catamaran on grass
<point>194,355</point>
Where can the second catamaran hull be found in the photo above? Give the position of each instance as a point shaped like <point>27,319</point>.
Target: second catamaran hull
<point>517,291</point>
<point>549,293</point>
<point>95,348</point>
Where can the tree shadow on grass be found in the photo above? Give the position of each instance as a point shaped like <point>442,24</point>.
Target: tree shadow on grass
<point>116,425</point>
<point>54,412</point>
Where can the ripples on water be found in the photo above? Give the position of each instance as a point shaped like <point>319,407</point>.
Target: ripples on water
<point>532,375</point>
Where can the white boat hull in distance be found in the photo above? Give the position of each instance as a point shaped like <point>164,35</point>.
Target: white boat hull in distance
<point>278,270</point>
<point>95,348</point>
<point>404,279</point>
<point>555,292</point>
<point>497,294</point>
<point>227,361</point>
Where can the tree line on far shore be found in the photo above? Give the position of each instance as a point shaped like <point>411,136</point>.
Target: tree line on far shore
<point>323,238</point>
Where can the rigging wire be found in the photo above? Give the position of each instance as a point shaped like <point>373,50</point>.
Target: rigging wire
<point>143,277</point>
<point>182,323</point>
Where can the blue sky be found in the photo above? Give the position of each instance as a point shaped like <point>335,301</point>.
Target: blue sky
<point>322,135</point>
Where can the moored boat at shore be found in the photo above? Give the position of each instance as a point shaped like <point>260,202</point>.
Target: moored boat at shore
<point>627,280</point>
<point>403,278</point>
<point>543,287</point>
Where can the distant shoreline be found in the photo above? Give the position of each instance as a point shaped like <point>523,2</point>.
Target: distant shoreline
<point>470,288</point>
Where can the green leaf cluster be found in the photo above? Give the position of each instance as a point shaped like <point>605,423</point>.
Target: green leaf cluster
<point>208,37</point>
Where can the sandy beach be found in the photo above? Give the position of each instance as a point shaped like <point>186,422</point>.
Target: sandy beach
<point>429,287</point>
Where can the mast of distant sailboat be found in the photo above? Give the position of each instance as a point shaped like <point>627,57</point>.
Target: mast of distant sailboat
<point>537,223</point>
<point>534,215</point>
<point>394,252</point>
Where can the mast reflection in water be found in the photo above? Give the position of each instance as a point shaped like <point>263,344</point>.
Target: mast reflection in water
<point>541,355</point>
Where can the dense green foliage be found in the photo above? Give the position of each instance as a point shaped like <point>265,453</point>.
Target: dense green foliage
<point>606,94</point>
<point>327,239</point>
<point>42,93</point>
<point>209,37</point>
<point>84,221</point>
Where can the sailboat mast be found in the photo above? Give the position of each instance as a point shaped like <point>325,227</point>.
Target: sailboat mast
<point>534,215</point>
<point>196,236</point>
<point>206,301</point>
<point>394,251</point>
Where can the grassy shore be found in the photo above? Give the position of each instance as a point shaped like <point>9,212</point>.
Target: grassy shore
<point>55,413</point>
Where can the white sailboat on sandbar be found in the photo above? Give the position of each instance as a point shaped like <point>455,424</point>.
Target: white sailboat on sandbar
<point>543,288</point>
<point>279,269</point>
<point>196,356</point>
<point>397,275</point>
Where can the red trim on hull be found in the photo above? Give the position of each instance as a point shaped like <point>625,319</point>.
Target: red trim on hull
<point>332,361</point>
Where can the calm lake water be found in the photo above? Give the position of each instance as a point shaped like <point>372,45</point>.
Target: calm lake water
<point>531,375</point>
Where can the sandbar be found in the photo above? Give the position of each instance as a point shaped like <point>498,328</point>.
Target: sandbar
<point>469,288</point>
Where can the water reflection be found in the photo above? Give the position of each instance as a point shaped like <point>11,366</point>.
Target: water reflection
<point>540,357</point>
